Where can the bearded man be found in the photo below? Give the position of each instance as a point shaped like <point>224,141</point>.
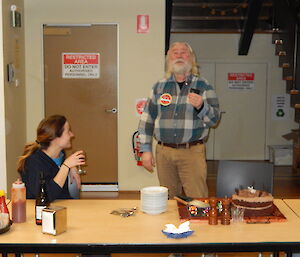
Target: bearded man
<point>178,114</point>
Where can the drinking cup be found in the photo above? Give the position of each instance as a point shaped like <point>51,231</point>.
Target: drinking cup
<point>237,214</point>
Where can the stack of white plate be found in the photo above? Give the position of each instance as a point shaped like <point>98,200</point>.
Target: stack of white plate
<point>154,199</point>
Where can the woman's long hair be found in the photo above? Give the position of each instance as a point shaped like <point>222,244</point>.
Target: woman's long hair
<point>169,68</point>
<point>48,129</point>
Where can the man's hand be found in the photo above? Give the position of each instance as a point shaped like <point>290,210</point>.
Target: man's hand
<point>148,161</point>
<point>195,100</point>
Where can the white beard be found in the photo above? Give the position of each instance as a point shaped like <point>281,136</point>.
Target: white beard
<point>181,68</point>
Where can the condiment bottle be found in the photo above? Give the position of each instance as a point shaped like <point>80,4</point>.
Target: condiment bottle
<point>18,201</point>
<point>213,212</point>
<point>225,215</point>
<point>41,201</point>
<point>4,213</point>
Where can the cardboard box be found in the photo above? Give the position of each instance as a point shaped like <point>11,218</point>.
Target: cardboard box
<point>54,220</point>
<point>281,155</point>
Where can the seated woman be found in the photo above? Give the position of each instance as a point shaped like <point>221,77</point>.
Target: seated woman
<point>47,155</point>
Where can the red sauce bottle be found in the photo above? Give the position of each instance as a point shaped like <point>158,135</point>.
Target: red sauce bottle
<point>18,201</point>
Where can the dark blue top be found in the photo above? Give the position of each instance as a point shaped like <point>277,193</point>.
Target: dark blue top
<point>35,164</point>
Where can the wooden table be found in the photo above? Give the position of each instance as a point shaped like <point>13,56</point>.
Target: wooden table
<point>93,230</point>
<point>294,205</point>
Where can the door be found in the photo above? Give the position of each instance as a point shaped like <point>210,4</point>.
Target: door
<point>241,89</point>
<point>81,75</point>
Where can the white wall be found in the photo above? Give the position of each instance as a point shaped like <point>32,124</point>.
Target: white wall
<point>224,47</point>
<point>15,105</point>
<point>12,98</point>
<point>141,63</point>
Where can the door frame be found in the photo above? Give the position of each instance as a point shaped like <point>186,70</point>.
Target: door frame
<point>267,99</point>
<point>99,187</point>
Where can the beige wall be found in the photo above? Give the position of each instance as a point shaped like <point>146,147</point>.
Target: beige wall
<point>224,47</point>
<point>3,176</point>
<point>14,93</point>
<point>141,63</point>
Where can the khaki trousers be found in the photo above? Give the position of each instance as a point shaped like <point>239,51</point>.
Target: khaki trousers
<point>183,167</point>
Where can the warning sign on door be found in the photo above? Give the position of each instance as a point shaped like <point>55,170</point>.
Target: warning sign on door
<point>241,80</point>
<point>81,65</point>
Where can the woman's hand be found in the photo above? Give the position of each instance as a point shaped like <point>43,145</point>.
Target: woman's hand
<point>77,158</point>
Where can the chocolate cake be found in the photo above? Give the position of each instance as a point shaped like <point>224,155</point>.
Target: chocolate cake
<point>255,202</point>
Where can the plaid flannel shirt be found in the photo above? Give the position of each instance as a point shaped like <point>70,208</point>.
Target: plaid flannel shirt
<point>177,122</point>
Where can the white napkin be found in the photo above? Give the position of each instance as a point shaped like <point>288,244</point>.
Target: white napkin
<point>183,227</point>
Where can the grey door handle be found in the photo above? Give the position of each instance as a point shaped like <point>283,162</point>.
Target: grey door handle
<point>113,110</point>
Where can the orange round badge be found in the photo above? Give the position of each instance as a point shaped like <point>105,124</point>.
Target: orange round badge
<point>165,99</point>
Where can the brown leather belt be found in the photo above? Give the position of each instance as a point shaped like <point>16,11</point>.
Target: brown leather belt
<point>186,145</point>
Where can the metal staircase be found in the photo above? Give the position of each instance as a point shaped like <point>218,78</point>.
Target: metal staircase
<point>219,16</point>
<point>286,37</point>
<point>287,44</point>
